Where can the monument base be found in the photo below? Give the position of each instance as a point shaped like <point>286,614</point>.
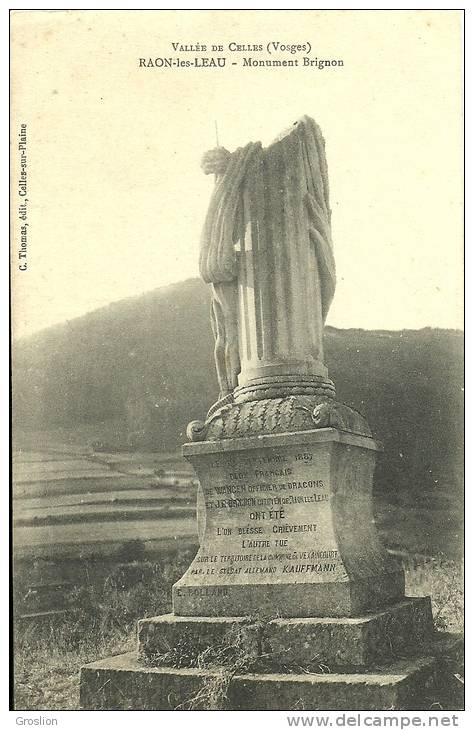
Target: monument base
<point>308,642</point>
<point>389,660</point>
<point>417,683</point>
<point>286,526</point>
<point>349,598</point>
<point>292,602</point>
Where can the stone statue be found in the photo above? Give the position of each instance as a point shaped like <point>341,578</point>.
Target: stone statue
<point>218,260</point>
<point>266,249</point>
<point>285,511</point>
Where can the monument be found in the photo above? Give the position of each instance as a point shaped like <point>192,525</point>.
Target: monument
<point>290,573</point>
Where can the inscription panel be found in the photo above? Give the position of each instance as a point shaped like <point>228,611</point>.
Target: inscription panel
<point>267,518</point>
<point>287,529</point>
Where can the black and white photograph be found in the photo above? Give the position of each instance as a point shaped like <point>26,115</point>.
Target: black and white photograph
<point>237,359</point>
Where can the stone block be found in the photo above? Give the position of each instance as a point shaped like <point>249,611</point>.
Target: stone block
<point>122,683</point>
<point>287,529</point>
<point>350,642</point>
<point>329,642</point>
<point>192,635</point>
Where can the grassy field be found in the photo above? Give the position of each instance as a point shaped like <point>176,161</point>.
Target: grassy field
<point>102,622</point>
<point>70,502</point>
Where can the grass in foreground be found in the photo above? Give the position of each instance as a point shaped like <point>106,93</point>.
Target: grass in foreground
<point>48,656</point>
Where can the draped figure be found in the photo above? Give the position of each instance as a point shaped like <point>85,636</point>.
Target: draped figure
<point>266,249</point>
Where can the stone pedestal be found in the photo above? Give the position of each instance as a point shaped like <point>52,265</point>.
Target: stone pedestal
<point>291,603</point>
<point>414,679</point>
<point>287,529</point>
<point>333,643</point>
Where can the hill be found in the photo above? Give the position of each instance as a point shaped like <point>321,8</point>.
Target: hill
<point>140,369</point>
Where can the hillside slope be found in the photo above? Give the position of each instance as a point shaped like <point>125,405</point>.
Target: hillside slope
<point>146,365</point>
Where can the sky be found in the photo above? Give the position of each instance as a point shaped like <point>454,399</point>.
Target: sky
<point>116,197</point>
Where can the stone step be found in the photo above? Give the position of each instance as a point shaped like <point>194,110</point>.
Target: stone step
<point>331,642</point>
<point>122,683</point>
